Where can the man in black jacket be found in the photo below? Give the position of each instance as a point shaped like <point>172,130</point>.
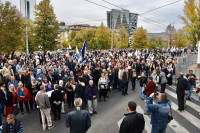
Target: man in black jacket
<point>181,89</point>
<point>56,100</point>
<point>133,122</point>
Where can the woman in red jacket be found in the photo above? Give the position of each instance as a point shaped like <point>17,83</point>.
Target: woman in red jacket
<point>150,88</point>
<point>23,96</point>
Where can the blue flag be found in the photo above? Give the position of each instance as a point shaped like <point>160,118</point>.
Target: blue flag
<point>83,52</point>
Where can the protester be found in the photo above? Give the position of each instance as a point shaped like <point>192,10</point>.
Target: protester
<point>103,86</point>
<point>11,101</point>
<point>56,100</point>
<point>91,94</point>
<point>23,96</point>
<point>80,91</point>
<point>12,125</point>
<point>133,122</point>
<point>181,90</point>
<point>125,81</point>
<point>43,103</point>
<point>191,78</point>
<point>159,112</point>
<point>163,81</point>
<point>149,89</point>
<point>78,120</point>
<point>70,92</point>
<point>143,82</point>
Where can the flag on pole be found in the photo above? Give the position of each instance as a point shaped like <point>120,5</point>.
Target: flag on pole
<point>77,55</point>
<point>83,52</point>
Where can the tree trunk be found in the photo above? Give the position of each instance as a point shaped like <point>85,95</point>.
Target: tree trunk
<point>12,56</point>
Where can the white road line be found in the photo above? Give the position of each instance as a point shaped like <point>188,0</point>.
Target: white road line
<point>146,118</point>
<point>120,122</point>
<point>195,121</point>
<point>191,104</point>
<point>175,126</point>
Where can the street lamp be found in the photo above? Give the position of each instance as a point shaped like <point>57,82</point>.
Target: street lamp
<point>26,32</point>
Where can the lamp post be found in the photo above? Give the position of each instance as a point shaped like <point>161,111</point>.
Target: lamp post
<point>26,32</point>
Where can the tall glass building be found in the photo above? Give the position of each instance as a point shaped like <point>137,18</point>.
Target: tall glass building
<point>129,20</point>
<point>29,6</point>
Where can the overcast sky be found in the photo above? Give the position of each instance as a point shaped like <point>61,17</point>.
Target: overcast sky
<point>79,11</point>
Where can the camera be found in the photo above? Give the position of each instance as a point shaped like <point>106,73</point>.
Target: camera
<point>156,94</point>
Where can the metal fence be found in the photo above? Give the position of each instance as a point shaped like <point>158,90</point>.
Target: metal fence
<point>183,65</point>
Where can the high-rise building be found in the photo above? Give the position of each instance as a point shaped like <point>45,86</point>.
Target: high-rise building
<point>129,20</point>
<point>29,7</point>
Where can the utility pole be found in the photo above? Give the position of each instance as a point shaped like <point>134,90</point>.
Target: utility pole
<point>111,25</point>
<point>26,33</point>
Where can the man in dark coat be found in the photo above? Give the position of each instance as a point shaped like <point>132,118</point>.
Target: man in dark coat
<point>181,89</point>
<point>56,99</point>
<point>78,120</point>
<point>115,77</point>
<point>96,75</point>
<point>133,122</point>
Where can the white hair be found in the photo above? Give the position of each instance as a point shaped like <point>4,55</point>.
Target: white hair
<point>60,81</point>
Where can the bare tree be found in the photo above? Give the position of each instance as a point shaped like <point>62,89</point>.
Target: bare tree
<point>170,31</point>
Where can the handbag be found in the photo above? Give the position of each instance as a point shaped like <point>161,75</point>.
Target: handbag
<point>170,117</point>
<point>15,111</point>
<point>198,90</point>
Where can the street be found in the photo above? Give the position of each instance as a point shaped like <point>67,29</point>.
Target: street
<point>110,112</point>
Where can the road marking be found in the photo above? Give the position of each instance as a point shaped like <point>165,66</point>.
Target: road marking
<point>191,104</point>
<point>195,121</point>
<point>120,122</point>
<point>148,126</point>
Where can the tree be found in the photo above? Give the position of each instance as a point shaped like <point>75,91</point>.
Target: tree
<point>71,36</point>
<point>152,44</point>
<point>11,28</point>
<point>123,37</point>
<point>181,39</point>
<point>170,31</point>
<point>46,26</point>
<point>89,37</point>
<point>78,41</point>
<point>140,38</point>
<point>65,43</point>
<point>191,20</point>
<point>103,38</point>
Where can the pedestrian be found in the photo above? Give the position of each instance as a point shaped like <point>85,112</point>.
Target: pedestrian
<point>2,97</point>
<point>155,80</point>
<point>143,82</point>
<point>56,100</point>
<point>91,94</point>
<point>181,89</point>
<point>11,101</point>
<point>78,120</point>
<point>133,122</point>
<point>120,74</point>
<point>102,86</point>
<point>63,90</point>
<point>12,125</point>
<point>43,104</point>
<point>133,77</point>
<point>80,91</point>
<point>23,96</point>
<point>70,92</point>
<point>125,81</point>
<point>163,81</point>
<point>191,78</point>
<point>149,89</point>
<point>159,112</point>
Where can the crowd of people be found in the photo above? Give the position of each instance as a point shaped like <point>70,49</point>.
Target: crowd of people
<point>49,81</point>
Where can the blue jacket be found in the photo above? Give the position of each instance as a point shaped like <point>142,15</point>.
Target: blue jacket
<point>159,112</point>
<point>78,121</point>
<point>89,92</point>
